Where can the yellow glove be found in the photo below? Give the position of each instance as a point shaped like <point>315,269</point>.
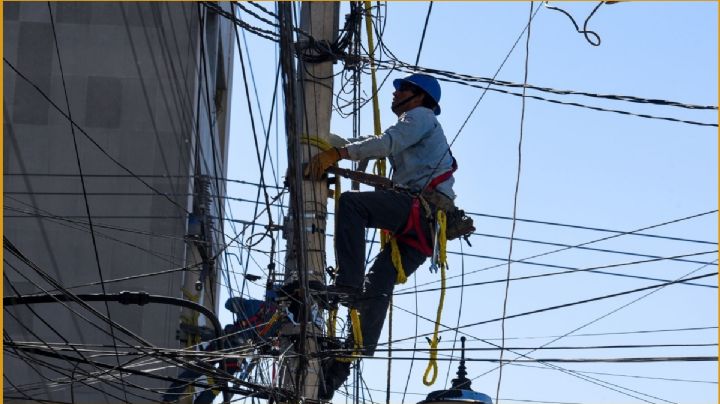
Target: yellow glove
<point>319,163</point>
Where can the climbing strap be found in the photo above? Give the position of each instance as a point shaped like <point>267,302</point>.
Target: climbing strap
<point>357,337</point>
<point>442,258</point>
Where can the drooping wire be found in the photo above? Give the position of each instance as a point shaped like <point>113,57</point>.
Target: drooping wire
<point>596,319</point>
<point>260,160</point>
<point>87,136</point>
<point>618,234</point>
<point>515,205</point>
<point>559,306</point>
<point>460,306</point>
<point>84,190</point>
<point>595,41</point>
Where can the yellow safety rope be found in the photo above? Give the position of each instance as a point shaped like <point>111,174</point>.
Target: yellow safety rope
<point>357,337</point>
<point>211,382</point>
<point>192,318</point>
<point>442,238</point>
<point>332,321</point>
<point>397,262</point>
<point>380,163</point>
<point>442,257</point>
<point>275,317</point>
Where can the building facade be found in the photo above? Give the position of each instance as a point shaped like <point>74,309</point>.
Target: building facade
<point>115,152</point>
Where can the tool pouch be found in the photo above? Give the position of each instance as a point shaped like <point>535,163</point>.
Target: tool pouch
<point>458,223</point>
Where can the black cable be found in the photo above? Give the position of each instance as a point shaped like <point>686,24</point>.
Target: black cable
<point>422,37</point>
<point>84,190</point>
<point>569,271</point>
<point>665,379</point>
<point>150,176</point>
<point>136,298</point>
<point>459,315</point>
<point>565,305</point>
<point>653,359</point>
<point>633,232</point>
<point>53,330</point>
<point>143,86</point>
<point>87,136</point>
<point>246,392</point>
<point>620,333</point>
<point>595,41</point>
<point>636,232</point>
<point>14,251</point>
<point>595,320</point>
<point>81,226</point>
<point>515,203</point>
<point>554,348</point>
<point>260,160</point>
<point>523,261</point>
<point>28,362</point>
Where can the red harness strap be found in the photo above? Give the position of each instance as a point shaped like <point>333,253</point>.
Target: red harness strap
<point>414,223</point>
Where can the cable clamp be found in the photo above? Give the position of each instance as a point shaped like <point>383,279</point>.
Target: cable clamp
<point>138,298</point>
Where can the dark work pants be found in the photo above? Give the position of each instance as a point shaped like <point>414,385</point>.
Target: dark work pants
<point>357,211</point>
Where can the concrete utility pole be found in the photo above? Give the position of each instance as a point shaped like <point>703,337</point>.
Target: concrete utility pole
<point>308,127</point>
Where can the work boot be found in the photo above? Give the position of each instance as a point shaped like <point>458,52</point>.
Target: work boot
<point>334,375</point>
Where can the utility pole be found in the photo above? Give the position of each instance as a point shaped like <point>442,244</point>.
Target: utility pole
<point>308,98</point>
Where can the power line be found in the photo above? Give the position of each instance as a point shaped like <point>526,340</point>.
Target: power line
<point>637,232</point>
<point>144,176</point>
<point>515,202</point>
<point>422,37</point>
<point>554,348</point>
<point>84,190</point>
<point>562,306</point>
<point>651,359</point>
<point>87,136</point>
<point>665,379</point>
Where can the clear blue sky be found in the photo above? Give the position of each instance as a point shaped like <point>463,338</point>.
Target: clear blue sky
<point>579,167</point>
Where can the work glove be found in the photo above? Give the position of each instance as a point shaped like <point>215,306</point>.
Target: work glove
<point>320,162</point>
<point>337,141</point>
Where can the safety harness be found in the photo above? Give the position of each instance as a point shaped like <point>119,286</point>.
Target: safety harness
<point>413,234</point>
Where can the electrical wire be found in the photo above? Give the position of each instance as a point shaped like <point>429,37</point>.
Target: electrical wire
<point>84,189</point>
<point>515,204</point>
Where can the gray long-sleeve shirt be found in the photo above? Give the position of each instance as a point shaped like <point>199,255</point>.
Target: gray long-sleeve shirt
<point>416,147</point>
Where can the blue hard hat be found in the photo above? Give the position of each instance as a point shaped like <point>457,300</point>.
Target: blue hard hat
<point>425,82</point>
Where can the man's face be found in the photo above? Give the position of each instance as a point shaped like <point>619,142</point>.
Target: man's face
<point>405,98</point>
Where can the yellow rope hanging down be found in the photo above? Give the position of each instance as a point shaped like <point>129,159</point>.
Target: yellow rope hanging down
<point>442,259</point>
<point>332,321</point>
<point>357,337</point>
<point>380,164</point>
<point>397,262</point>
